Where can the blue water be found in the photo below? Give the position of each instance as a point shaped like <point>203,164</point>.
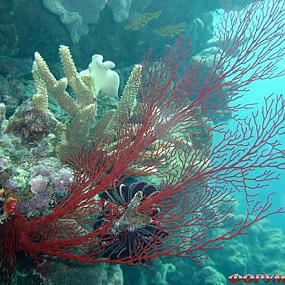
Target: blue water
<point>259,90</point>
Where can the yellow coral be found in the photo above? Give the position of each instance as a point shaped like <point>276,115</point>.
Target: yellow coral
<point>84,95</point>
<point>40,99</point>
<point>45,79</point>
<point>105,130</point>
<point>171,30</point>
<point>129,99</point>
<point>81,109</point>
<point>140,22</point>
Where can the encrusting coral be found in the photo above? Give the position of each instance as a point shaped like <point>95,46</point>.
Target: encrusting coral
<point>33,123</point>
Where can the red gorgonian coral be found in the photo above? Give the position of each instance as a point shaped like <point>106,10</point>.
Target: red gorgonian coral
<point>109,217</point>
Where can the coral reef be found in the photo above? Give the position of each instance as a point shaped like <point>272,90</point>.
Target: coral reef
<point>120,9</point>
<point>261,251</point>
<point>28,137</point>
<point>99,274</point>
<point>143,177</point>
<point>159,273</point>
<point>40,182</point>
<point>111,121</point>
<point>189,209</point>
<point>209,276</point>
<point>33,133</point>
<point>102,77</point>
<point>8,205</point>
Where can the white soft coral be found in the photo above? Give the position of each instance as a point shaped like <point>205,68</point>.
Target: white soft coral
<point>102,77</point>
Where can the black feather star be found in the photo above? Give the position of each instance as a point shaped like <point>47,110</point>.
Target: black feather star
<point>132,232</point>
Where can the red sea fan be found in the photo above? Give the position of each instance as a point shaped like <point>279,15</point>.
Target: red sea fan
<point>184,212</point>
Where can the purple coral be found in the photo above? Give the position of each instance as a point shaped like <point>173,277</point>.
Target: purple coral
<point>38,184</point>
<point>57,178</point>
<point>48,185</point>
<point>43,170</point>
<point>62,180</point>
<point>39,202</point>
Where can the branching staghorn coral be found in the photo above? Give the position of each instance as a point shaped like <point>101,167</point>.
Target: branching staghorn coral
<point>128,100</point>
<point>81,111</point>
<point>40,99</point>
